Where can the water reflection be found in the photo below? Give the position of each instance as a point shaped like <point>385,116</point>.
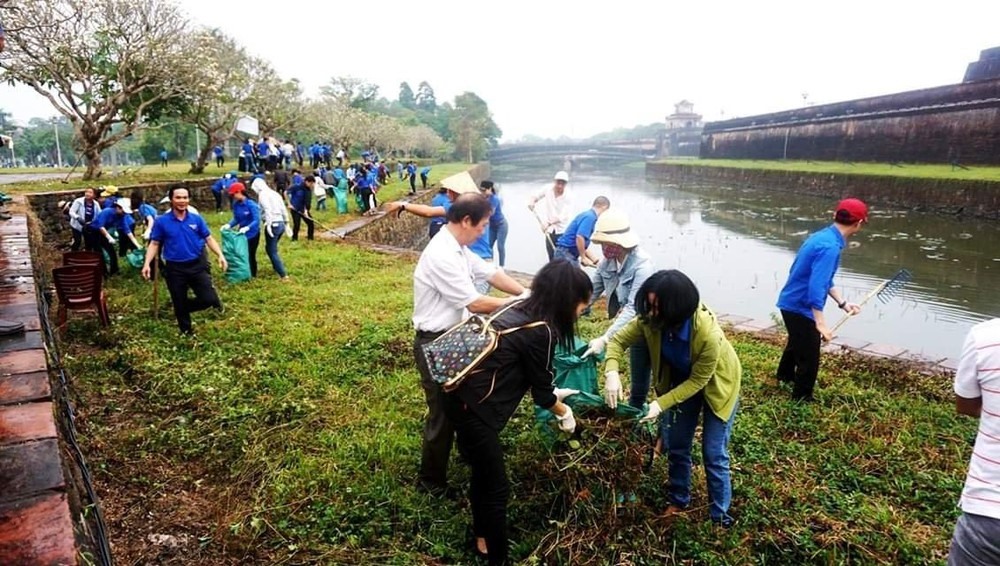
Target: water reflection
<point>738,244</point>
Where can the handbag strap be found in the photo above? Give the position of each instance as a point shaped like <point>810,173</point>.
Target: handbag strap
<point>501,311</point>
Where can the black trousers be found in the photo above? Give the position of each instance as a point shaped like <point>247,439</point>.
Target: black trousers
<point>195,275</point>
<point>423,181</point>
<point>489,489</point>
<point>125,245</point>
<point>77,239</point>
<point>252,244</point>
<point>439,434</point>
<point>97,242</point>
<point>550,242</point>
<point>218,200</point>
<point>413,183</point>
<point>298,217</point>
<point>220,161</point>
<point>800,361</point>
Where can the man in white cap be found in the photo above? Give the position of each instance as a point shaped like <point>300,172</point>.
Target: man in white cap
<point>119,217</point>
<point>553,207</point>
<point>619,276</point>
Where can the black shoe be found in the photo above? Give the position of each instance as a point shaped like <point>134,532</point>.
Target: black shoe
<point>439,491</point>
<point>804,399</point>
<point>725,522</point>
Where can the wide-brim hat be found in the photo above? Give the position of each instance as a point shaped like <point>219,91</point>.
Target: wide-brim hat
<point>613,227</point>
<point>460,183</point>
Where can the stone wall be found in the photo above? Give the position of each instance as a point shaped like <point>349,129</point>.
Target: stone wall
<point>54,224</point>
<point>408,231</point>
<point>946,196</point>
<point>935,125</point>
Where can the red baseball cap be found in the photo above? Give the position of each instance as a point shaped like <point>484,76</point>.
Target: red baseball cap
<point>851,210</point>
<point>238,187</point>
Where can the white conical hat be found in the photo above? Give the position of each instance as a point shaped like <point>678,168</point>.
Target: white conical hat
<point>460,183</point>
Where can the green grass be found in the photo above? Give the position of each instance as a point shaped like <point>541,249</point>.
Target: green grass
<point>921,171</point>
<point>288,431</point>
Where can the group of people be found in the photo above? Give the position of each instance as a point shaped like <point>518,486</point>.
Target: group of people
<point>677,349</point>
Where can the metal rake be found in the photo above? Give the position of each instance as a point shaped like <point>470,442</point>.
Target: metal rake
<point>885,291</point>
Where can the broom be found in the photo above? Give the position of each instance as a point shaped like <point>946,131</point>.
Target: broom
<point>885,291</point>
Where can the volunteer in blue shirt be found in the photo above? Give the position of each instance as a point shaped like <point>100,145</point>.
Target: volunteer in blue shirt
<point>219,187</point>
<point>220,156</point>
<point>248,162</point>
<point>572,244</point>
<point>118,217</point>
<point>498,222</point>
<point>163,158</point>
<point>183,236</point>
<point>411,171</point>
<point>423,176</point>
<point>246,220</point>
<point>146,212</point>
<point>299,202</point>
<point>441,200</point>
<point>810,282</point>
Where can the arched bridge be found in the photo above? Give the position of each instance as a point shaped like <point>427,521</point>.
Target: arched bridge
<point>628,149</point>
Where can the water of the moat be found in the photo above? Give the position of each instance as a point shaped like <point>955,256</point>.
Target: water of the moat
<point>737,245</point>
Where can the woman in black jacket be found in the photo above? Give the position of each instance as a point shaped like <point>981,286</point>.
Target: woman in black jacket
<point>482,405</point>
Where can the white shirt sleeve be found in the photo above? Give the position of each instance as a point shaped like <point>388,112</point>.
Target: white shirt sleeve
<point>481,269</point>
<point>967,373</point>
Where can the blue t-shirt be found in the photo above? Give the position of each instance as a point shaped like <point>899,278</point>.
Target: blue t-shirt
<point>109,218</point>
<point>163,154</point>
<point>675,349</point>
<point>481,247</point>
<point>497,205</point>
<point>248,149</point>
<point>811,275</point>
<point>218,150</point>
<point>146,210</point>
<point>425,171</point>
<point>300,197</point>
<point>582,225</point>
<point>411,169</point>
<point>246,213</point>
<point>180,239</point>
<point>441,199</point>
<point>222,184</point>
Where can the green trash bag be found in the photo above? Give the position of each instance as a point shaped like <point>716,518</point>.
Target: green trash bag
<point>359,201</point>
<point>237,254</point>
<point>340,195</point>
<point>136,258</point>
<point>572,371</point>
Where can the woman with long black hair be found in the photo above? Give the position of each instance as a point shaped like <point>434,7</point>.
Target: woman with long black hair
<point>480,408</point>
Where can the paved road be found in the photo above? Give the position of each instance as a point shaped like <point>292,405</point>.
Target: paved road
<point>8,179</point>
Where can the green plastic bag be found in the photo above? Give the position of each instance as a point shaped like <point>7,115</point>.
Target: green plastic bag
<point>136,258</point>
<point>237,254</point>
<point>359,201</point>
<point>340,195</point>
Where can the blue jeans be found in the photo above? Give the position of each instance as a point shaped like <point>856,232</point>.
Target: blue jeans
<point>677,426</point>
<point>321,204</point>
<point>271,247</point>
<point>566,254</point>
<point>498,237</point>
<point>639,370</point>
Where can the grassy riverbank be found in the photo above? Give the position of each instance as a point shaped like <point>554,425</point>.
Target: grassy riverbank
<point>288,431</point>
<point>920,171</point>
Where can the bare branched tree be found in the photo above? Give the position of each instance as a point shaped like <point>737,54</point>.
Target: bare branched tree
<point>109,66</point>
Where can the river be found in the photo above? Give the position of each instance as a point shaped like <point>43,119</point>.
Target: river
<point>737,244</point>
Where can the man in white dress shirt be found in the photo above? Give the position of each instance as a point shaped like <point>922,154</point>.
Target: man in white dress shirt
<point>444,294</point>
<point>553,206</point>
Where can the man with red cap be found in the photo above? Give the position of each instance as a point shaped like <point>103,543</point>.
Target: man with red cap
<point>810,282</point>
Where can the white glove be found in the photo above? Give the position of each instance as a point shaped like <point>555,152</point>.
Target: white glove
<point>111,240</point>
<point>652,412</point>
<point>612,389</point>
<point>596,346</point>
<point>566,422</point>
<point>225,227</point>
<point>244,230</point>
<point>562,394</point>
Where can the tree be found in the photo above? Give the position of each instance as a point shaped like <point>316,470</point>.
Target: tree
<point>101,64</point>
<point>425,97</point>
<point>472,127</point>
<point>406,99</point>
<point>422,141</point>
<point>280,107</point>
<point>351,91</point>
<point>223,88</point>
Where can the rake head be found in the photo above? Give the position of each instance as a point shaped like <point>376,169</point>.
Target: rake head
<point>893,286</point>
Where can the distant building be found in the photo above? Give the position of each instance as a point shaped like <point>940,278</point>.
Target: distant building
<point>682,136</point>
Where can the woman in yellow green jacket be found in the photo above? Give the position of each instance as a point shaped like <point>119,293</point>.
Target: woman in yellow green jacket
<point>695,372</point>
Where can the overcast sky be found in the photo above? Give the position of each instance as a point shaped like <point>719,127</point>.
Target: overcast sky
<point>558,67</point>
